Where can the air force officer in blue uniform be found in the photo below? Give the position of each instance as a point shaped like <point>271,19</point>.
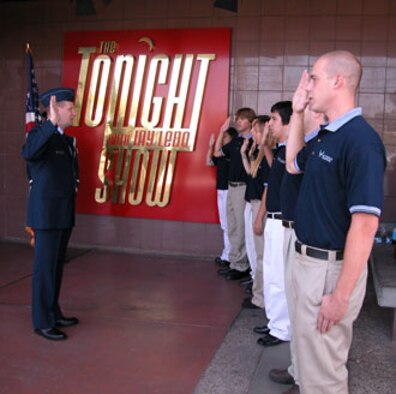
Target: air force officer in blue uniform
<point>51,157</point>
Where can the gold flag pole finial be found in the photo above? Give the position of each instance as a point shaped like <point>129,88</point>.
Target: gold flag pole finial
<point>27,47</point>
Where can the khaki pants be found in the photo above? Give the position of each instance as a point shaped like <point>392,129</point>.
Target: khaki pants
<point>289,253</point>
<point>236,227</point>
<point>322,358</point>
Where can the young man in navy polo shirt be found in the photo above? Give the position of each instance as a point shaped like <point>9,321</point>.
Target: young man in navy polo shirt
<point>336,217</point>
<point>278,328</point>
<point>289,192</point>
<point>237,177</point>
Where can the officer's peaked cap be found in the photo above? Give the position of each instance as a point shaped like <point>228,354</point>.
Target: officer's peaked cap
<point>61,94</point>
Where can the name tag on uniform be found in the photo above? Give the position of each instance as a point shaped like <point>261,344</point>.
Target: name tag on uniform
<point>60,152</point>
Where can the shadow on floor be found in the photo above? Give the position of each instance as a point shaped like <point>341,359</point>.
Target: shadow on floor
<point>147,324</point>
<point>163,325</point>
<point>241,366</point>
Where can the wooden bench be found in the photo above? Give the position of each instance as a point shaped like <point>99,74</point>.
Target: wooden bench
<point>383,268</point>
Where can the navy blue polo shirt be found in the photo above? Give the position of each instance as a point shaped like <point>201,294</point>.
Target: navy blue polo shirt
<point>232,150</point>
<point>255,186</point>
<point>275,179</point>
<point>343,174</point>
<point>222,164</point>
<point>290,186</point>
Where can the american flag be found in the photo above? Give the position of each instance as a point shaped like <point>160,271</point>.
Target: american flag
<point>32,116</point>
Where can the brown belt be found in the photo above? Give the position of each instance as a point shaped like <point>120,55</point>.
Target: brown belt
<point>318,253</point>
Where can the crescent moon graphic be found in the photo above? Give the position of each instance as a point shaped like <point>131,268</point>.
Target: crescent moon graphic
<point>149,42</point>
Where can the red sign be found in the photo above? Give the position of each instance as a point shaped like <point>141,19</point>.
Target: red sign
<point>147,102</point>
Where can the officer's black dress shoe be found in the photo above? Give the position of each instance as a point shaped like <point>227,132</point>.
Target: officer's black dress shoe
<point>66,321</point>
<point>223,271</point>
<point>269,340</point>
<point>263,330</point>
<point>236,275</point>
<point>52,334</point>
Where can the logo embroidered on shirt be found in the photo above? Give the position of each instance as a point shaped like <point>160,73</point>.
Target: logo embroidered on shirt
<point>325,157</point>
<point>281,160</point>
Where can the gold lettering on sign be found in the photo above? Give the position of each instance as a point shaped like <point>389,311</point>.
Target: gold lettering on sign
<point>107,46</point>
<point>143,103</point>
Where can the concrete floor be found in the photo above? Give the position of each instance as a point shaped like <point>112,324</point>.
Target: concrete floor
<point>157,325</point>
<point>241,366</point>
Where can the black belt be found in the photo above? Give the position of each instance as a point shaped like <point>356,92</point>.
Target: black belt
<point>235,184</point>
<point>288,223</point>
<point>274,215</point>
<point>318,253</point>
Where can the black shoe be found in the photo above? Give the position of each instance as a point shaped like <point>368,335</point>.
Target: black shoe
<point>248,290</point>
<point>262,330</point>
<point>218,260</point>
<point>66,321</point>
<point>281,376</point>
<point>52,334</point>
<point>295,389</point>
<point>236,275</point>
<point>246,282</point>
<point>221,262</point>
<point>224,264</point>
<point>248,304</point>
<point>223,271</point>
<point>269,340</point>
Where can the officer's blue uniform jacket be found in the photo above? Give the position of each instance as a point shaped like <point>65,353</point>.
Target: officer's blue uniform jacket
<point>53,170</point>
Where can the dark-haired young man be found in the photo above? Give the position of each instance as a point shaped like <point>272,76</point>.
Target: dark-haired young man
<point>278,327</point>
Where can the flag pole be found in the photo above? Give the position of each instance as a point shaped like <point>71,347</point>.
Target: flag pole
<point>32,115</point>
